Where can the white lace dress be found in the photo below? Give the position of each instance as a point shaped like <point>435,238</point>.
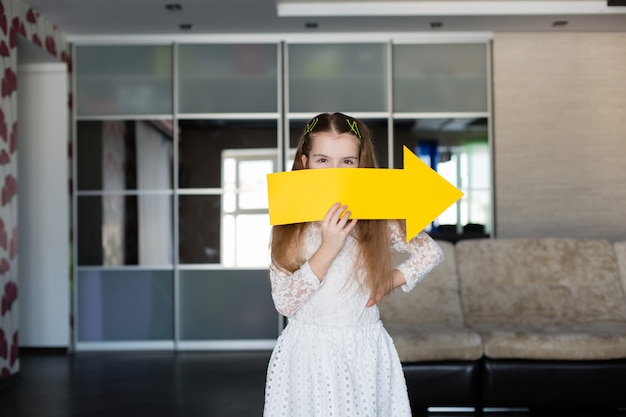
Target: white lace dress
<point>334,358</point>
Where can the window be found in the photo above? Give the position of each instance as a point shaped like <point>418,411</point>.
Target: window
<point>467,167</point>
<point>245,218</point>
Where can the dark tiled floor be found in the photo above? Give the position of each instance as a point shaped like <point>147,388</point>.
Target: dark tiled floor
<point>152,384</point>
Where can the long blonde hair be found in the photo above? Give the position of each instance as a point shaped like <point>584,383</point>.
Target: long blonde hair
<point>373,237</point>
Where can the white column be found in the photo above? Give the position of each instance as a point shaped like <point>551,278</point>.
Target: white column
<point>43,206</point>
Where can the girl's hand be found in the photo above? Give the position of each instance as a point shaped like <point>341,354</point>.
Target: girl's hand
<point>336,227</point>
<point>375,299</point>
<point>335,231</point>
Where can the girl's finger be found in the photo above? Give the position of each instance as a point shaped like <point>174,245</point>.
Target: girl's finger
<point>351,225</point>
<point>338,215</point>
<point>330,213</point>
<point>344,217</point>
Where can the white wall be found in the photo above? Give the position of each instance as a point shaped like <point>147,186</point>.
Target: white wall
<point>43,206</point>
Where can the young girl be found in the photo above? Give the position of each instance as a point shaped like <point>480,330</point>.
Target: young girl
<point>334,358</point>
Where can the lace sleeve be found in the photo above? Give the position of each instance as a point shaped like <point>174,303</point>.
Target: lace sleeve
<point>290,291</point>
<point>423,255</point>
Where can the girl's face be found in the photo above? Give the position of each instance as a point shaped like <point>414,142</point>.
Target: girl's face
<point>331,150</point>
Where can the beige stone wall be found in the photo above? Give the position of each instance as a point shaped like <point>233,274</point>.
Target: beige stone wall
<point>560,134</point>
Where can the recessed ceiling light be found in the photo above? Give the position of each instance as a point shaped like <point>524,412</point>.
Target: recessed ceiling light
<point>185,26</point>
<point>174,7</point>
<point>302,8</point>
<point>558,23</point>
<point>436,25</point>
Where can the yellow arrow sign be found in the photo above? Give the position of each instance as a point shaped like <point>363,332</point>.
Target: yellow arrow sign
<point>416,193</point>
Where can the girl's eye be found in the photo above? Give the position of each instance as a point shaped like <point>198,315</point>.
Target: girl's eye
<point>348,162</point>
<point>322,160</point>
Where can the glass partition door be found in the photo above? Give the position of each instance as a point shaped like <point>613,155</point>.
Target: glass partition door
<point>441,104</point>
<point>171,229</point>
<point>124,229</point>
<point>173,144</point>
<point>224,233</point>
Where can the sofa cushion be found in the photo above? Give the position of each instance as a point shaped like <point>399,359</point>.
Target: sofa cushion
<point>588,341</point>
<point>434,342</point>
<point>435,299</point>
<point>427,323</point>
<point>539,281</point>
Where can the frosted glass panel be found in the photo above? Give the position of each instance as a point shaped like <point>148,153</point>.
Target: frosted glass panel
<point>124,155</point>
<point>121,230</point>
<point>458,149</point>
<point>204,142</point>
<point>125,305</point>
<point>444,134</point>
<point>440,78</point>
<point>124,79</point>
<point>199,217</point>
<point>227,304</point>
<point>228,78</point>
<point>337,77</point>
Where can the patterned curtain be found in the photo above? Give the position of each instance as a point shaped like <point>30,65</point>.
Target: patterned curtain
<point>16,19</point>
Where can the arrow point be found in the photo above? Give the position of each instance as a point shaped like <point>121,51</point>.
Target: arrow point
<point>435,194</point>
<point>413,228</point>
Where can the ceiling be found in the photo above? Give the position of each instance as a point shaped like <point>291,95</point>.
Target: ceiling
<point>86,19</point>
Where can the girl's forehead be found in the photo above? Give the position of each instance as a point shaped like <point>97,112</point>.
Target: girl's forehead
<point>334,140</point>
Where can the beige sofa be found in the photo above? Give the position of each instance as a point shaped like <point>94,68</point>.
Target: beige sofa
<point>535,323</point>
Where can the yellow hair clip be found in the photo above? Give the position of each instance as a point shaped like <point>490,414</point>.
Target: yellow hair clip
<point>309,128</point>
<point>354,128</point>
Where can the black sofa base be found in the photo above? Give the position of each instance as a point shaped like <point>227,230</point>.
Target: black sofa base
<point>554,385</point>
<point>535,385</point>
<point>445,383</point>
